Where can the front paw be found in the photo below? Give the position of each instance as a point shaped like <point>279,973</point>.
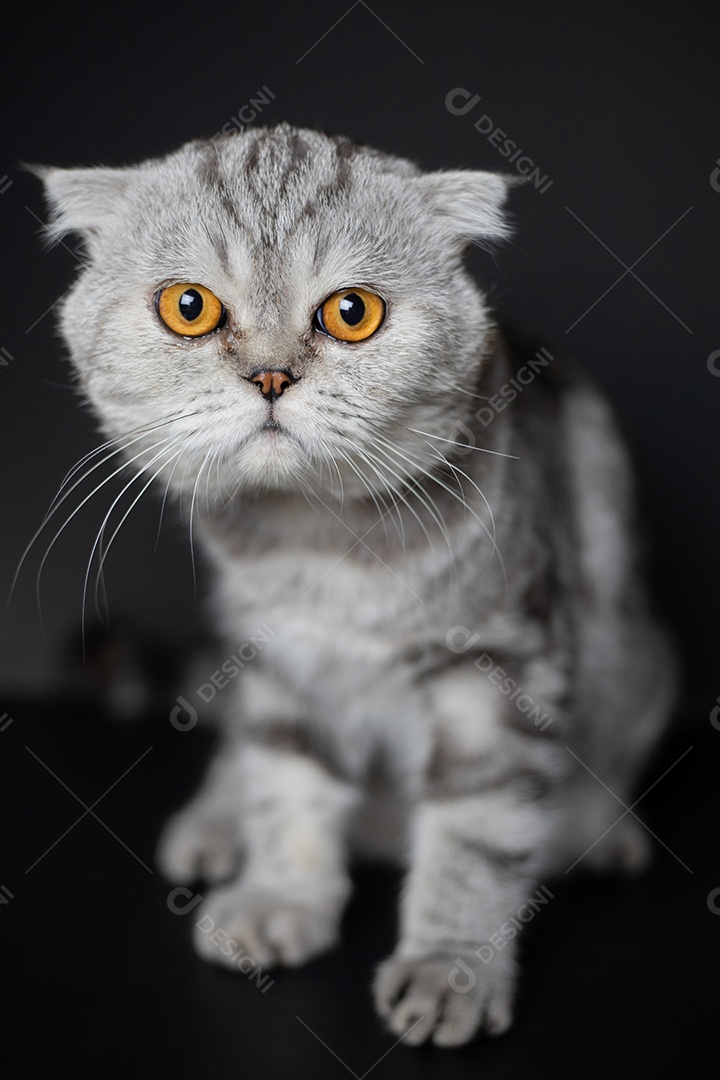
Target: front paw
<point>270,927</point>
<point>194,846</point>
<point>446,997</point>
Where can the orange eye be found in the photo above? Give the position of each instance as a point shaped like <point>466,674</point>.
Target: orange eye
<point>190,310</point>
<point>351,314</point>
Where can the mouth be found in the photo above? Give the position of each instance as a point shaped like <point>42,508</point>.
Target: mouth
<point>272,433</point>
<point>271,458</point>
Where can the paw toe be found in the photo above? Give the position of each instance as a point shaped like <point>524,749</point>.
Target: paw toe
<point>418,1001</point>
<point>265,926</point>
<point>190,849</point>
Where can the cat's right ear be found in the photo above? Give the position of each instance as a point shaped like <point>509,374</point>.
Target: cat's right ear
<point>469,203</point>
<point>85,201</point>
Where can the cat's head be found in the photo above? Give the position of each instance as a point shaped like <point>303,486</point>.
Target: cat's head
<point>276,308</point>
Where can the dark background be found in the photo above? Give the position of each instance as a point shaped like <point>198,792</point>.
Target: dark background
<point>618,105</point>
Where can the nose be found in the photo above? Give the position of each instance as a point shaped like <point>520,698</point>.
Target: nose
<point>272,384</point>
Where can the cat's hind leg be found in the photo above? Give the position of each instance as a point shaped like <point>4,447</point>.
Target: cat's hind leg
<point>602,835</point>
<point>630,705</point>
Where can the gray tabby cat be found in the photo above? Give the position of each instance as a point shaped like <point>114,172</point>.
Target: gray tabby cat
<point>278,328</point>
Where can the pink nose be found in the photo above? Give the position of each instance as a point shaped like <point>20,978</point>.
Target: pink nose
<point>272,384</point>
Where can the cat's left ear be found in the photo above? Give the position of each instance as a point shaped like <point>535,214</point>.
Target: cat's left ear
<point>86,201</point>
<point>470,203</point>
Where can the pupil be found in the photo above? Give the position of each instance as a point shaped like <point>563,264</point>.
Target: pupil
<point>190,305</point>
<point>352,309</point>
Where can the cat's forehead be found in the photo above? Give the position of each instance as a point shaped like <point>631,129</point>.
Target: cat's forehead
<point>272,184</point>
<point>285,169</point>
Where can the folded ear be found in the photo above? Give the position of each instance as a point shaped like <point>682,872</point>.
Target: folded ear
<point>87,201</point>
<point>470,202</point>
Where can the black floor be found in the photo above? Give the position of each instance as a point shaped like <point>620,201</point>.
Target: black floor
<point>99,978</point>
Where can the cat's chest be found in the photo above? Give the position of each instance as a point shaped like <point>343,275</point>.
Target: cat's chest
<point>328,597</point>
<point>341,645</point>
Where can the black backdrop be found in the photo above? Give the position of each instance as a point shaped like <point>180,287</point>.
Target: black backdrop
<point>614,257</point>
<point>615,104</point>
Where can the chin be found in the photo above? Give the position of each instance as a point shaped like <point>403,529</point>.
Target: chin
<point>273,461</point>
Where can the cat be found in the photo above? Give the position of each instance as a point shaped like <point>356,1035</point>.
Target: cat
<point>277,327</point>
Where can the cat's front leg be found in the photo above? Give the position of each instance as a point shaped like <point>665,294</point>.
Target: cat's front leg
<point>286,905</point>
<point>481,840</point>
<point>204,838</point>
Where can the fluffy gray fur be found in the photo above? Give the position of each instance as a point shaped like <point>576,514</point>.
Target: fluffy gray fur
<point>359,530</point>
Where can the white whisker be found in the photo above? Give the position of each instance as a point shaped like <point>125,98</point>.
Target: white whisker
<point>382,514</point>
<point>431,475</point>
<point>139,432</point>
<point>192,510</point>
<point>99,538</point>
<point>78,508</point>
<point>469,393</point>
<point>329,458</point>
<point>122,445</point>
<point>466,446</point>
<point>491,535</point>
<point>105,551</point>
<point>414,487</point>
<point>380,469</point>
